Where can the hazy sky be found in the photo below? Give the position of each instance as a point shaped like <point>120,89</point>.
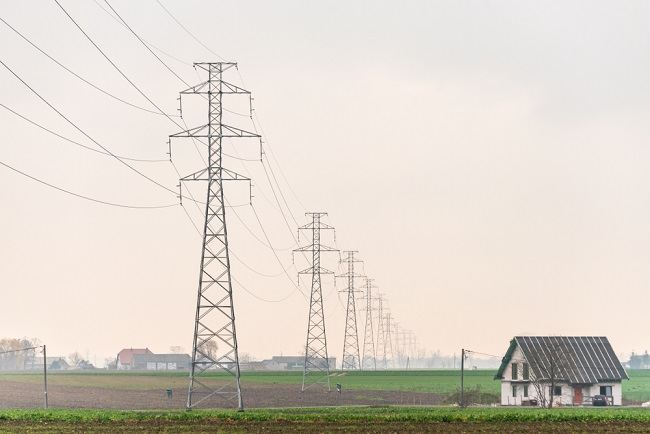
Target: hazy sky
<point>488,159</point>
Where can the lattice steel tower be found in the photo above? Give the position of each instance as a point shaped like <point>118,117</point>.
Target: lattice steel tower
<point>214,345</point>
<point>369,360</point>
<point>351,355</point>
<point>316,368</point>
<point>381,332</point>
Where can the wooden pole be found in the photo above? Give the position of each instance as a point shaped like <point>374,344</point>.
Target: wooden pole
<point>45,373</point>
<point>462,378</point>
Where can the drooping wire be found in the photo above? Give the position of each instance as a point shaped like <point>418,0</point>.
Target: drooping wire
<point>117,68</point>
<point>187,30</point>
<point>145,44</point>
<point>25,118</point>
<point>89,83</point>
<point>83,132</point>
<point>160,50</point>
<point>81,196</point>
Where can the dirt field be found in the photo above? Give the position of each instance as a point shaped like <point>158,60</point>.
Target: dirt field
<point>18,394</point>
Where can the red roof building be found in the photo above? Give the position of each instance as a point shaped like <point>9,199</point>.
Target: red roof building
<point>125,357</point>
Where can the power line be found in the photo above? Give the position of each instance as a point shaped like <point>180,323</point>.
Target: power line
<point>82,131</point>
<point>114,65</point>
<point>145,44</point>
<point>25,118</point>
<point>187,31</point>
<point>81,195</point>
<point>105,92</point>
<point>171,56</point>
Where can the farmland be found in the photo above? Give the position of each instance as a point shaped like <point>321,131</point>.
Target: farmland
<point>391,401</point>
<point>341,419</point>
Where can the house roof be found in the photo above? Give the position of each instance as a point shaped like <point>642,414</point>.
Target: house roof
<point>125,356</point>
<point>576,359</point>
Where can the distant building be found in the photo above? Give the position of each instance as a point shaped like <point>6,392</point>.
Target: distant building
<point>161,362</point>
<point>639,361</point>
<point>580,367</point>
<point>125,357</point>
<point>53,363</point>
<point>291,363</point>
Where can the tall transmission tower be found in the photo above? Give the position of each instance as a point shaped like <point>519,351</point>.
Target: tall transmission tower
<point>381,332</point>
<point>214,345</point>
<point>369,360</point>
<point>351,355</point>
<point>316,367</point>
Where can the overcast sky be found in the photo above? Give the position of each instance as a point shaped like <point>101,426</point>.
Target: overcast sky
<point>488,160</point>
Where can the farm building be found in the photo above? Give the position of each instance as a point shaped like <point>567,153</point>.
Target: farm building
<point>292,363</point>
<point>161,362</point>
<point>125,357</point>
<point>564,370</point>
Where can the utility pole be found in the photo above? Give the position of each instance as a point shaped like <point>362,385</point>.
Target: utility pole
<point>369,351</point>
<point>45,375</point>
<point>316,367</point>
<point>398,364</point>
<point>351,356</point>
<point>214,345</point>
<point>381,332</point>
<point>462,377</point>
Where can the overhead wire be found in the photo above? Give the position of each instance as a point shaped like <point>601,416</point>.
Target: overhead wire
<point>36,124</point>
<point>81,196</point>
<point>88,82</point>
<point>187,30</point>
<point>82,131</point>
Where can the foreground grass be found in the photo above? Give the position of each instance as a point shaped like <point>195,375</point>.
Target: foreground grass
<point>338,414</point>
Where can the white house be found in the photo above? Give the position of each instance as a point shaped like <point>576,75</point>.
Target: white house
<point>578,367</point>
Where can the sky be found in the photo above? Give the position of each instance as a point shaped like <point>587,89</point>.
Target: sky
<point>488,160</point>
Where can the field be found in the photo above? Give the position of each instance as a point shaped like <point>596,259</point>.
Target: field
<point>341,419</point>
<point>392,401</point>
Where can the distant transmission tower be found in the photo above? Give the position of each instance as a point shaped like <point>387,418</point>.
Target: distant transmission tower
<point>389,340</point>
<point>215,338</point>
<point>316,367</point>
<point>381,332</point>
<point>351,355</point>
<point>369,360</point>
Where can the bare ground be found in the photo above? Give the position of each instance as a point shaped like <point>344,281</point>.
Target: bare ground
<point>15,394</point>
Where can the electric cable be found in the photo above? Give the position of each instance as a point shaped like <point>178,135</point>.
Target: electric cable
<point>81,196</point>
<point>25,118</point>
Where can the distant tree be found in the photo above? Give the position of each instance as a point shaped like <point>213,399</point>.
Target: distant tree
<point>110,363</point>
<point>210,348</point>
<point>13,358</point>
<point>75,359</point>
<point>245,358</point>
<point>176,349</point>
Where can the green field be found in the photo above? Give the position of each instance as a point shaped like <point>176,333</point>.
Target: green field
<point>341,419</point>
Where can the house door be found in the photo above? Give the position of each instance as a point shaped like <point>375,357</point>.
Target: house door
<point>577,395</point>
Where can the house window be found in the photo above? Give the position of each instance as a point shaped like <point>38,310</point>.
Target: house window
<point>525,391</point>
<point>514,371</point>
<point>526,372</point>
<point>606,390</point>
<point>514,390</point>
<point>555,392</point>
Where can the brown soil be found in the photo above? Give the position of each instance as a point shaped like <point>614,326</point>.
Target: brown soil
<point>14,394</point>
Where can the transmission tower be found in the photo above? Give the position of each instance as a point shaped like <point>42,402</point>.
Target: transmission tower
<point>351,356</point>
<point>389,339</point>
<point>316,367</point>
<point>381,332</point>
<point>214,345</point>
<point>369,360</point>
